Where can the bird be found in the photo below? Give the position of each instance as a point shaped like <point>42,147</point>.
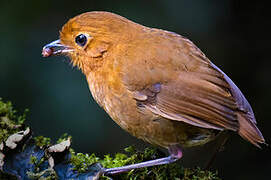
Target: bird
<point>155,84</point>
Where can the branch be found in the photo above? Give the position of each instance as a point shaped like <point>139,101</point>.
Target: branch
<point>23,156</point>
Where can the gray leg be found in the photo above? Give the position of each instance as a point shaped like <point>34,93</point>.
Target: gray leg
<point>224,136</point>
<point>175,154</point>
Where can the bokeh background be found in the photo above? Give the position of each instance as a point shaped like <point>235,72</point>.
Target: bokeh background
<point>234,34</point>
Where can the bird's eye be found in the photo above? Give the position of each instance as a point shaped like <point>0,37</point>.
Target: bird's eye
<point>81,40</point>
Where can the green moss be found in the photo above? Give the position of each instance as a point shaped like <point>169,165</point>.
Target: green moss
<point>42,141</point>
<point>81,161</point>
<point>199,174</point>
<point>50,175</point>
<point>175,171</point>
<point>37,173</point>
<point>63,137</point>
<point>33,160</point>
<point>10,122</point>
<point>36,162</point>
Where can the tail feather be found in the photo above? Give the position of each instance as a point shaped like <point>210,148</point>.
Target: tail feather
<point>248,129</point>
<point>247,122</point>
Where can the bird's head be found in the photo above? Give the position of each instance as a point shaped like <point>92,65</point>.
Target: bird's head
<point>89,37</point>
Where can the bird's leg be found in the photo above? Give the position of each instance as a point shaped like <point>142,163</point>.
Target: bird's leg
<point>175,153</point>
<point>220,147</point>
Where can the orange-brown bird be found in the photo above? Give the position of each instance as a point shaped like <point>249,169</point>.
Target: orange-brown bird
<point>155,84</point>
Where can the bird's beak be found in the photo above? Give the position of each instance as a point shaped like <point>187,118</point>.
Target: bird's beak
<point>55,48</point>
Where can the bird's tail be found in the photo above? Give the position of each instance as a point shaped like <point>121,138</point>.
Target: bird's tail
<point>248,129</point>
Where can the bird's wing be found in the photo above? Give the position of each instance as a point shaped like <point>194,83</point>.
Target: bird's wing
<point>199,99</point>
<point>181,84</point>
<point>187,87</point>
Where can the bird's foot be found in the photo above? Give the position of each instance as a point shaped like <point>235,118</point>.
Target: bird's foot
<point>175,154</point>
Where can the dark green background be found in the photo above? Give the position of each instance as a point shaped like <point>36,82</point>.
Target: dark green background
<point>233,34</point>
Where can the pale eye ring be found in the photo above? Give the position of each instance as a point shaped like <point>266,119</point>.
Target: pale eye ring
<point>81,40</point>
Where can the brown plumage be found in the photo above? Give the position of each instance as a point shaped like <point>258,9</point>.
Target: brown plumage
<point>155,84</point>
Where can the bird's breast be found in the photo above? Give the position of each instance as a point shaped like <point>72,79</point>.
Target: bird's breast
<point>115,99</point>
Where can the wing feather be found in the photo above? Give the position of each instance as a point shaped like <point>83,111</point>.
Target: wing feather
<point>195,100</point>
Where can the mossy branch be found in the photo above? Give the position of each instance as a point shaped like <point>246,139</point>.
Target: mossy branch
<point>27,157</point>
